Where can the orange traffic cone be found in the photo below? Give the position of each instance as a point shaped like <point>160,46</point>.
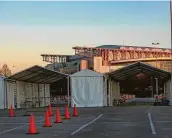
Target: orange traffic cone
<point>12,114</point>
<point>75,113</point>
<point>32,126</point>
<point>50,111</point>
<point>47,122</point>
<point>67,116</point>
<point>58,119</point>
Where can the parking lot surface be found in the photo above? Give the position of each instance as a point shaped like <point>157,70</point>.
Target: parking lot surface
<point>117,122</point>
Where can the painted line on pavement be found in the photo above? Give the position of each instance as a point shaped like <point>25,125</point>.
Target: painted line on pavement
<point>12,129</point>
<point>151,124</point>
<point>73,133</point>
<point>17,123</point>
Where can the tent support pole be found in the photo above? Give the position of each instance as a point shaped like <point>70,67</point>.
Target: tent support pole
<point>105,92</point>
<point>32,95</point>
<point>38,96</point>
<point>156,85</point>
<point>5,94</point>
<point>109,92</point>
<point>164,89</point>
<point>16,93</point>
<point>44,95</point>
<point>68,91</point>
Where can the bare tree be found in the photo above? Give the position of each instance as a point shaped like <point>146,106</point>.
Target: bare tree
<point>1,74</point>
<point>5,71</point>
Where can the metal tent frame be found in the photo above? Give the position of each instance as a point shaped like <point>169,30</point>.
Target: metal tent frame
<point>139,67</point>
<point>38,75</point>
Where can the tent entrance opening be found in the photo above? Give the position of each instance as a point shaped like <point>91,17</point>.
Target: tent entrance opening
<point>142,86</point>
<point>140,80</point>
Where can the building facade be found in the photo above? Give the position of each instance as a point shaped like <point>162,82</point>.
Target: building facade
<point>106,58</point>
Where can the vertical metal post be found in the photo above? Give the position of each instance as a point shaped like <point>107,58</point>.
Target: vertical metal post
<point>16,93</point>
<point>152,86</point>
<point>68,85</point>
<point>44,95</point>
<point>5,94</point>
<point>164,89</point>
<point>32,95</point>
<point>105,91</point>
<point>171,37</point>
<point>111,94</point>
<point>156,52</point>
<point>7,86</point>
<point>109,89</point>
<point>156,85</point>
<point>171,23</point>
<point>38,96</point>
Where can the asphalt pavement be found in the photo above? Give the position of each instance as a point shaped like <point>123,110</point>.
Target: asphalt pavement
<point>117,122</point>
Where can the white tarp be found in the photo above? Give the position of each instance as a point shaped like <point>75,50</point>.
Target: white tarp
<point>168,90</point>
<point>114,92</point>
<point>2,94</point>
<point>28,93</point>
<point>87,89</point>
<point>10,94</point>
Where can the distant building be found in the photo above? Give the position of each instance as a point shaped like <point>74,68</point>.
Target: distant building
<point>106,58</point>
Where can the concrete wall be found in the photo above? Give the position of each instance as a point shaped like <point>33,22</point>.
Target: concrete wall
<point>103,69</point>
<point>84,64</point>
<point>164,65</point>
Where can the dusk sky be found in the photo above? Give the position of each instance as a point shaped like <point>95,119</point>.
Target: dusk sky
<point>28,29</point>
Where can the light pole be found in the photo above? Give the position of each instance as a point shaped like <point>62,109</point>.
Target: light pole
<point>171,23</point>
<point>171,33</point>
<point>13,70</point>
<point>156,44</point>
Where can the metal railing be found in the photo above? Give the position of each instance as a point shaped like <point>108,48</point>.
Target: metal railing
<point>35,102</point>
<point>60,100</point>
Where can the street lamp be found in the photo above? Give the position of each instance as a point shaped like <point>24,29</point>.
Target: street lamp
<point>156,44</point>
<point>171,30</point>
<point>171,22</point>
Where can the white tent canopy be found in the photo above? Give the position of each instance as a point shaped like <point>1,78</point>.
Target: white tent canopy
<point>87,89</point>
<point>2,93</point>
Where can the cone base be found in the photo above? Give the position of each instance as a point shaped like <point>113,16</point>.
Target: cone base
<point>32,133</point>
<point>26,115</point>
<point>11,116</point>
<point>47,126</point>
<point>57,122</point>
<point>75,115</point>
<point>64,114</point>
<point>66,118</point>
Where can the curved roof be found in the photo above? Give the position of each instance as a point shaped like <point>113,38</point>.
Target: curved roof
<point>87,73</point>
<point>109,46</point>
<point>38,74</point>
<point>119,46</point>
<point>138,67</point>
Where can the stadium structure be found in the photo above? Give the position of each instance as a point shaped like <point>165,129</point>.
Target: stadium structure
<point>106,58</point>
